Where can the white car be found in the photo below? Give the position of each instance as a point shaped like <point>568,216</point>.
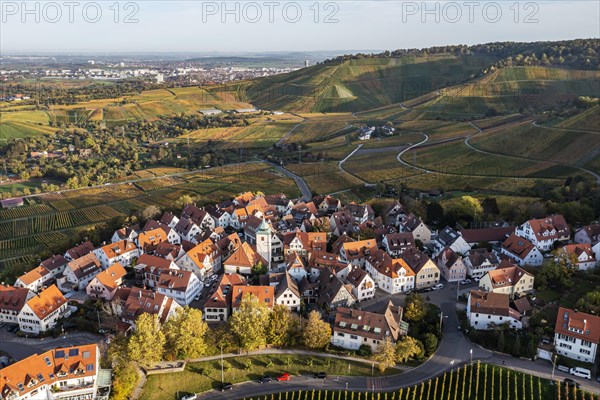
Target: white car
<point>465,282</point>
<point>438,286</point>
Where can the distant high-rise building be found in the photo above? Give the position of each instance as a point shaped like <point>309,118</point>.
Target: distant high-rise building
<point>160,78</point>
<point>306,63</point>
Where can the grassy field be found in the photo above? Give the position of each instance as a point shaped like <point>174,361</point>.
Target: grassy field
<point>203,376</point>
<point>588,120</point>
<point>17,124</point>
<point>313,130</point>
<point>324,177</point>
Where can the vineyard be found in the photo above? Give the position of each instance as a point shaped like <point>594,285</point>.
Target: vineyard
<point>470,382</point>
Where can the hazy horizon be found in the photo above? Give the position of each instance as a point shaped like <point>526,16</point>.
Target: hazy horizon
<point>197,27</point>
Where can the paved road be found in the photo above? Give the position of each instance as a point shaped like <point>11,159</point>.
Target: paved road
<point>304,189</point>
<point>280,141</point>
<point>20,348</point>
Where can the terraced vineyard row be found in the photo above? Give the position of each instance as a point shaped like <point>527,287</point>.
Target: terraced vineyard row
<point>23,212</point>
<point>56,221</point>
<point>30,245</point>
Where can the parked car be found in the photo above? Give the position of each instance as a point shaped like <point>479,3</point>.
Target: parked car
<point>284,377</point>
<point>465,282</point>
<point>226,386</point>
<point>562,368</point>
<point>188,397</point>
<point>265,379</point>
<point>214,277</point>
<point>438,286</point>
<point>425,290</point>
<point>570,382</point>
<point>477,279</point>
<point>320,375</point>
<point>581,372</point>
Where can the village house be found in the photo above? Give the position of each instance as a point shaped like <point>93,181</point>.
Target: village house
<point>79,273</point>
<point>577,335</point>
<point>182,286</point>
<point>148,269</point>
<point>522,251</point>
<point>56,265</point>
<point>42,311</point>
<point>126,233</point>
<point>448,237</point>
<point>203,259</point>
<point>149,240</point>
<point>354,328</point>
<point>199,216</point>
<point>295,267</point>
<point>451,265</point>
<point>243,259</point>
<point>79,251</point>
<point>218,305</point>
<point>426,272</point>
<point>360,212</point>
<point>341,222</point>
<point>332,293</point>
<point>12,300</point>
<point>588,234</point>
<point>413,224</point>
<point>187,229</point>
<point>169,219</point>
<point>492,235</point>
<point>327,204</point>
<point>480,261</point>
<point>363,286</point>
<point>579,256</point>
<point>356,253</point>
<point>489,310</point>
<point>286,290</point>
<point>396,243</point>
<point>544,232</point>
<point>105,284</point>
<point>513,281</point>
<point>390,275</point>
<point>264,294</point>
<point>119,252</point>
<point>130,303</point>
<point>303,243</point>
<point>34,280</point>
<point>69,373</point>
<point>280,201</point>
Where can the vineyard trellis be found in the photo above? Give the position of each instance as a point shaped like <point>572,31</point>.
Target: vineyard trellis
<point>457,384</point>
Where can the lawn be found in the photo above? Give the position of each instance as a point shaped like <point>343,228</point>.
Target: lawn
<point>203,376</point>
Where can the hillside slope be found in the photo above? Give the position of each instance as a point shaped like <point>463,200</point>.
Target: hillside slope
<point>359,84</point>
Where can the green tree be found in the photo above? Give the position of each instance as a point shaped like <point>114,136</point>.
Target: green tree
<point>317,333</point>
<point>147,344</point>
<point>125,379</point>
<point>407,348</point>
<point>259,269</point>
<point>385,354</point>
<point>280,327</point>
<point>415,307</point>
<point>248,324</point>
<point>554,274</point>
<point>430,341</point>
<point>464,208</point>
<point>185,333</point>
<point>590,303</point>
<point>184,201</point>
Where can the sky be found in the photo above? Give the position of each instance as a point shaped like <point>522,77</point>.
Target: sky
<point>100,27</point>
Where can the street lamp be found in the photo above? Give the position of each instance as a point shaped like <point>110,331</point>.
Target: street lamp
<point>471,353</point>
<point>441,316</point>
<point>457,290</point>
<point>554,364</point>
<point>222,373</point>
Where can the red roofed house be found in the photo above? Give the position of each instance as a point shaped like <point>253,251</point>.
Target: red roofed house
<point>105,284</point>
<point>577,335</point>
<point>579,256</point>
<point>41,312</point>
<point>522,251</point>
<point>264,294</point>
<point>488,310</point>
<point>12,300</point>
<point>218,305</point>
<point>513,281</point>
<point>243,259</point>
<point>120,252</point>
<point>182,286</point>
<point>544,232</point>
<point>130,303</point>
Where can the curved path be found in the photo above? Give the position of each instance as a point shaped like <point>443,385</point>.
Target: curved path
<point>341,168</point>
<point>454,351</point>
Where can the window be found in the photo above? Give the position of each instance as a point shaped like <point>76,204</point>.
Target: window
<point>89,367</point>
<point>73,352</point>
<point>47,361</point>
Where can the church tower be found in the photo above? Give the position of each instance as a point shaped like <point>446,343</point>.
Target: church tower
<point>263,241</point>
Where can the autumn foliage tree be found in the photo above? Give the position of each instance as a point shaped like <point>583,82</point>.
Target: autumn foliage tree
<point>385,354</point>
<point>249,323</point>
<point>185,334</point>
<point>317,333</point>
<point>146,346</point>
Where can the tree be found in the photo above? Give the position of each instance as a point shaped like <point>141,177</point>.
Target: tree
<point>147,344</point>
<point>248,324</point>
<point>590,303</point>
<point>435,213</point>
<point>464,208</point>
<point>415,307</point>
<point>317,333</point>
<point>280,327</point>
<point>185,333</point>
<point>430,341</point>
<point>259,269</point>
<point>385,354</point>
<point>150,212</point>
<point>407,348</point>
<point>184,201</point>
<point>125,379</point>
<point>553,274</point>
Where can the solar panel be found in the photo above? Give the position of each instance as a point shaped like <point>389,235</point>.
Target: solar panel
<point>60,354</point>
<point>73,352</point>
